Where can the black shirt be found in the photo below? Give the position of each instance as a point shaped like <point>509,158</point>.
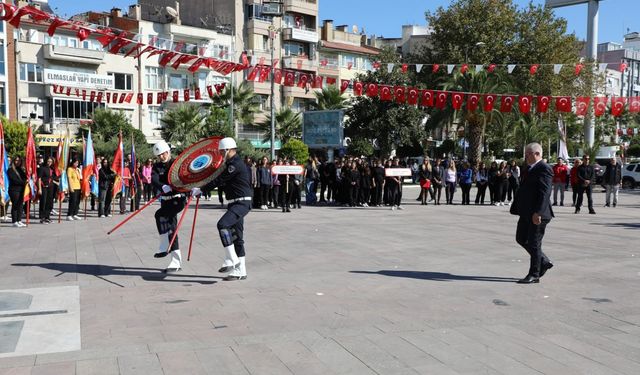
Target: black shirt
<point>234,179</point>
<point>17,179</point>
<point>44,175</point>
<point>160,175</point>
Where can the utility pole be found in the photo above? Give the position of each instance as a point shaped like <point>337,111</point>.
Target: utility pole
<point>273,8</point>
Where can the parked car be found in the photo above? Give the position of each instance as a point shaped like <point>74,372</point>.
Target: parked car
<point>631,176</point>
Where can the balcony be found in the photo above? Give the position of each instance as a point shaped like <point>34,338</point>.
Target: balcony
<point>299,63</point>
<point>263,88</point>
<point>300,34</point>
<point>297,92</point>
<point>309,7</point>
<point>259,26</point>
<point>78,55</point>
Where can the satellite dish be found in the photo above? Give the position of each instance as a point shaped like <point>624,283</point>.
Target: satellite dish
<point>172,12</point>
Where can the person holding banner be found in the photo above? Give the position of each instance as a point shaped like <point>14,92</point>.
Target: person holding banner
<point>236,184</point>
<point>171,203</point>
<point>17,182</point>
<point>395,188</point>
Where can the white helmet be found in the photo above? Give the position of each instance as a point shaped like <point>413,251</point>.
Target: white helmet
<point>160,148</point>
<point>227,143</point>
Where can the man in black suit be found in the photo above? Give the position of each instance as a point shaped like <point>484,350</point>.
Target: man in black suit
<point>533,205</point>
<point>586,180</point>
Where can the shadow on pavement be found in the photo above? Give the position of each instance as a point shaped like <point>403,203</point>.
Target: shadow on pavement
<point>437,276</point>
<point>620,225</point>
<point>99,270</point>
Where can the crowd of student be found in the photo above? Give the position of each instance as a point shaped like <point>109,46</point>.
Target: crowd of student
<point>348,181</point>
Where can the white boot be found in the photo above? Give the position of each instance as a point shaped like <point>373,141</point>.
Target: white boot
<point>163,247</point>
<point>176,262</point>
<point>230,259</point>
<point>238,273</point>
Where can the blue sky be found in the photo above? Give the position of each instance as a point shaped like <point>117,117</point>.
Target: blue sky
<point>385,17</point>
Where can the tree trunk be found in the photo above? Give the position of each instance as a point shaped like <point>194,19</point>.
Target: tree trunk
<point>474,133</point>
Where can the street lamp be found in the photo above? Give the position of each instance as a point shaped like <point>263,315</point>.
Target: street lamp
<point>272,36</point>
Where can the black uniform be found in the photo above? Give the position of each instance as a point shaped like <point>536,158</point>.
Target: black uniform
<point>45,174</point>
<point>171,203</point>
<point>236,183</point>
<point>17,183</point>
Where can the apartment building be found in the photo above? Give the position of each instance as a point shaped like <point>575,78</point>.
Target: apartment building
<point>44,61</point>
<point>619,83</point>
<point>413,40</point>
<point>344,53</point>
<point>5,82</point>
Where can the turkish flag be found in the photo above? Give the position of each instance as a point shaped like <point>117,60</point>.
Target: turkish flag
<point>534,69</point>
<point>123,96</point>
<point>543,103</point>
<point>398,91</point>
<point>107,97</point>
<point>128,97</point>
<point>634,104</point>
<point>489,99</point>
<point>165,95</point>
<point>385,93</point>
<point>441,99</point>
<point>623,67</point>
<point>317,82</point>
<point>412,96</point>
<point>464,68</point>
<point>620,132</point>
<point>582,105</point>
<point>376,65</point>
<point>175,96</point>
<point>331,81</point>
<point>289,78</point>
<point>426,98</point>
<point>99,97</point>
<point>344,85</point>
<point>456,100</point>
<point>114,98</point>
<point>506,103</point>
<point>524,103</point>
<point>357,88</point>
<point>197,95</point>
<point>139,99</point>
<point>472,102</point>
<point>160,97</point>
<point>303,78</point>
<point>186,94</point>
<point>264,73</point>
<point>435,68</point>
<point>617,106</point>
<point>563,104</point>
<point>372,89</point>
<point>578,69</point>
<point>491,68</point>
<point>405,67</point>
<point>150,98</point>
<point>92,96</point>
<point>84,94</point>
<point>251,76</point>
<point>277,76</point>
<point>630,132</point>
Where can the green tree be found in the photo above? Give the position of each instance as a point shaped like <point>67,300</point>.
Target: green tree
<point>217,123</point>
<point>184,125</point>
<point>360,146</point>
<point>296,149</point>
<point>288,125</point>
<point>106,126</point>
<point>15,137</point>
<point>245,106</point>
<point>329,98</point>
<point>246,149</point>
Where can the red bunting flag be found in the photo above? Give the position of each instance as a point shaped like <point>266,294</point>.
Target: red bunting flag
<point>524,103</point>
<point>220,87</point>
<point>385,93</point>
<point>128,97</point>
<point>582,105</point>
<point>92,96</point>
<point>160,97</point>
<point>251,76</point>
<point>491,68</point>
<point>114,97</point>
<point>617,106</point>
<point>405,67</point>
<point>426,98</point>
<point>140,98</point>
<point>543,104</point>
<point>197,94</point>
<point>489,100</point>
<point>441,99</point>
<point>99,97</point>
<point>289,78</point>
<point>186,94</point>
<point>150,98</point>
<point>399,93</point>
<point>317,82</point>
<point>303,79</point>
<point>412,96</point>
<point>634,104</point>
<point>578,69</point>
<point>534,69</point>
<point>83,33</point>
<point>277,76</point>
<point>372,89</point>
<point>563,104</point>
<point>472,102</point>
<point>464,68</point>
<point>349,65</point>
<point>357,88</point>
<point>376,65</point>
<point>175,96</point>
<point>456,100</point>
<point>506,103</point>
<point>331,81</point>
<point>435,68</point>
<point>623,67</point>
<point>344,85</point>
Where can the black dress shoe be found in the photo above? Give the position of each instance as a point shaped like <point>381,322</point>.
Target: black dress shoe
<point>545,268</point>
<point>161,255</point>
<point>529,280</point>
<point>592,212</point>
<point>577,211</point>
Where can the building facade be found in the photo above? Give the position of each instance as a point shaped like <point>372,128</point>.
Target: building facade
<point>625,83</point>
<point>5,106</point>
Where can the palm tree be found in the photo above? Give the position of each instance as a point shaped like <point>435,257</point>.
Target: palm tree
<point>475,82</point>
<point>245,106</point>
<point>330,98</point>
<point>184,125</point>
<point>530,128</point>
<point>288,125</point>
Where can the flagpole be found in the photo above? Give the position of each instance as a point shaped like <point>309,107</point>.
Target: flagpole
<point>193,227</point>
<point>28,210</point>
<point>85,208</point>
<point>60,207</point>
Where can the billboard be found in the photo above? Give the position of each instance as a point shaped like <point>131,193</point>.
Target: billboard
<point>79,79</point>
<point>322,128</point>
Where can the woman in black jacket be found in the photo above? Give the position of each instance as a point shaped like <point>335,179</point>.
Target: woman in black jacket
<point>17,182</point>
<point>437,180</point>
<point>106,177</point>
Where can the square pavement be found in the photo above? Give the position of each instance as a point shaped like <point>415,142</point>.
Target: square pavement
<point>331,290</point>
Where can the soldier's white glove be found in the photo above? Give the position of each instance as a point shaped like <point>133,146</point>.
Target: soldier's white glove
<point>196,192</point>
<point>166,189</point>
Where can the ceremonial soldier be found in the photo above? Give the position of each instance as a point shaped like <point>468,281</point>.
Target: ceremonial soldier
<point>236,184</point>
<point>171,203</point>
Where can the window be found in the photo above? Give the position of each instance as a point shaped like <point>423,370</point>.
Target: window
<point>91,44</point>
<point>155,115</point>
<point>73,109</point>
<point>30,72</point>
<point>346,60</point>
<point>201,81</point>
<point>153,78</point>
<point>3,106</point>
<point>630,167</point>
<point>2,57</point>
<point>255,11</point>
<point>178,81</point>
<point>265,43</point>
<point>262,101</point>
<point>638,168</point>
<point>122,81</point>
<point>293,49</point>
